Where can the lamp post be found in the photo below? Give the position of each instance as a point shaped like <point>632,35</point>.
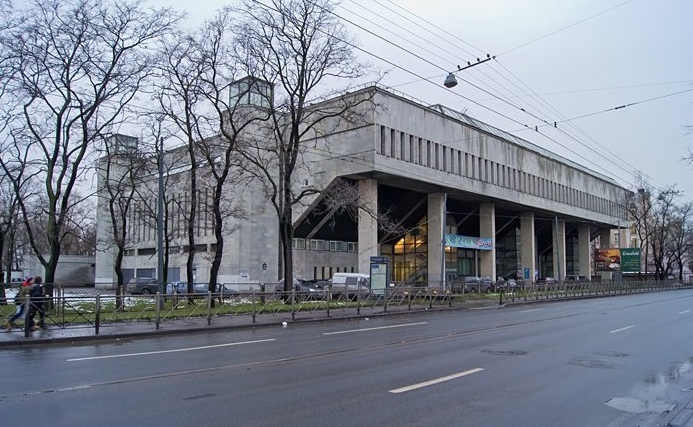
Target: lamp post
<point>160,226</point>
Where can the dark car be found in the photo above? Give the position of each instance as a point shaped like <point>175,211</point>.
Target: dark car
<point>200,290</point>
<point>576,281</point>
<point>142,285</point>
<point>305,289</point>
<point>546,283</point>
<point>471,284</point>
<point>227,291</point>
<point>576,278</point>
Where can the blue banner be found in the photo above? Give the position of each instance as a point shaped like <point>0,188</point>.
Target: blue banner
<point>467,242</point>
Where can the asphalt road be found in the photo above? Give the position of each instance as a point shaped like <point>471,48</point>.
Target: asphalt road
<point>619,361</point>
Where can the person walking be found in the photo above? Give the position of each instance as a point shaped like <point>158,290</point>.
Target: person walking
<point>19,300</point>
<point>38,305</point>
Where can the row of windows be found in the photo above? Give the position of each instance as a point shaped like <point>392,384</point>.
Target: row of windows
<point>410,148</point>
<point>172,250</point>
<point>142,221</point>
<point>325,245</point>
<point>326,272</point>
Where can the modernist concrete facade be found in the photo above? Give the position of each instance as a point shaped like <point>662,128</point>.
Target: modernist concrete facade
<point>471,199</point>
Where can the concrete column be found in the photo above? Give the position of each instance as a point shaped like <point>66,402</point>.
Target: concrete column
<point>559,249</point>
<point>584,250</point>
<point>605,238</point>
<point>528,256</point>
<point>368,224</point>
<point>487,228</point>
<point>436,221</point>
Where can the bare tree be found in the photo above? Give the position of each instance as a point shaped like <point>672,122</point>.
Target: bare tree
<point>639,207</point>
<point>681,229</point>
<point>301,48</point>
<point>663,214</point>
<point>194,97</point>
<point>75,66</point>
<point>119,172</point>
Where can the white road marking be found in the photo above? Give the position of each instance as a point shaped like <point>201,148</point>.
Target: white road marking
<point>436,381</point>
<point>374,329</point>
<point>529,311</point>
<point>684,312</point>
<point>615,331</point>
<point>147,353</point>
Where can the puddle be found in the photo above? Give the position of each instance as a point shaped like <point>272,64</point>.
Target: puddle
<point>638,406</point>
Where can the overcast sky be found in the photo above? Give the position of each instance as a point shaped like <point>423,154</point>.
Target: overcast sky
<point>556,60</point>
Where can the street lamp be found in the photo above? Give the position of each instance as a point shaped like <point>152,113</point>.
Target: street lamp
<point>451,81</point>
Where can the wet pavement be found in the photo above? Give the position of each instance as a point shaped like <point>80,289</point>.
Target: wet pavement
<point>55,335</point>
<point>679,415</point>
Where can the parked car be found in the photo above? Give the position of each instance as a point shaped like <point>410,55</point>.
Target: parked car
<point>227,291</point>
<point>546,283</point>
<point>350,285</point>
<point>142,285</point>
<point>305,290</point>
<point>471,284</point>
<point>200,290</point>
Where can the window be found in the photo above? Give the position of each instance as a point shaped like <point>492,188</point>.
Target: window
<point>299,244</point>
<point>146,251</point>
<point>319,245</point>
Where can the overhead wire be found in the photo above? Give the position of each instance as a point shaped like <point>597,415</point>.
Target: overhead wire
<point>545,121</point>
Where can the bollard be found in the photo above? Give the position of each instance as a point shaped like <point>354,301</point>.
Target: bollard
<point>358,297</point>
<point>329,300</point>
<point>97,319</point>
<point>158,311</point>
<point>293,303</point>
<point>254,312</point>
<point>209,308</point>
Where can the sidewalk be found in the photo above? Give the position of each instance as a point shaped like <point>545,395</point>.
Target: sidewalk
<point>112,331</point>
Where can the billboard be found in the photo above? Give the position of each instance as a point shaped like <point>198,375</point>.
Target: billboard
<point>626,260</point>
<point>467,242</point>
<point>630,260</point>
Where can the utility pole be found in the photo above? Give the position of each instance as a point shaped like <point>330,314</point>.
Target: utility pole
<point>160,226</point>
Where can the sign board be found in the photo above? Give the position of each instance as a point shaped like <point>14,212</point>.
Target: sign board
<point>630,260</point>
<point>467,242</point>
<point>379,276</point>
<point>625,260</point>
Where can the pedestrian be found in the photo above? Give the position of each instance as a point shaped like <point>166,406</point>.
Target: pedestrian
<point>19,300</point>
<point>38,305</point>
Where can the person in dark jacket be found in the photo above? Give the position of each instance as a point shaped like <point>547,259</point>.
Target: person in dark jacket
<point>38,305</point>
<point>19,301</point>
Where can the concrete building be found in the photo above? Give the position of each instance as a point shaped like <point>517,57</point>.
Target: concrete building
<point>472,199</point>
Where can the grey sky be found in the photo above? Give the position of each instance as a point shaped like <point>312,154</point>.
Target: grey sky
<point>585,56</point>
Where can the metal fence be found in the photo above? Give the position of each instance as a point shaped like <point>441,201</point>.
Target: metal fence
<point>94,309</point>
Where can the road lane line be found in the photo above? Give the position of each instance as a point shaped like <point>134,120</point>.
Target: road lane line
<point>684,312</point>
<point>615,331</point>
<point>436,381</point>
<point>373,329</point>
<point>147,353</point>
<point>529,311</point>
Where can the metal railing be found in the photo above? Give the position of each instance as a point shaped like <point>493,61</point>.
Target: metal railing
<point>96,309</point>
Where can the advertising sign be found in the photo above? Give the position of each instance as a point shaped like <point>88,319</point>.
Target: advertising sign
<point>379,274</point>
<point>607,259</point>
<point>630,260</point>
<point>625,260</point>
<point>466,242</point>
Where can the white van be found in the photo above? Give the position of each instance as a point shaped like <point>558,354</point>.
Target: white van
<point>350,285</point>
